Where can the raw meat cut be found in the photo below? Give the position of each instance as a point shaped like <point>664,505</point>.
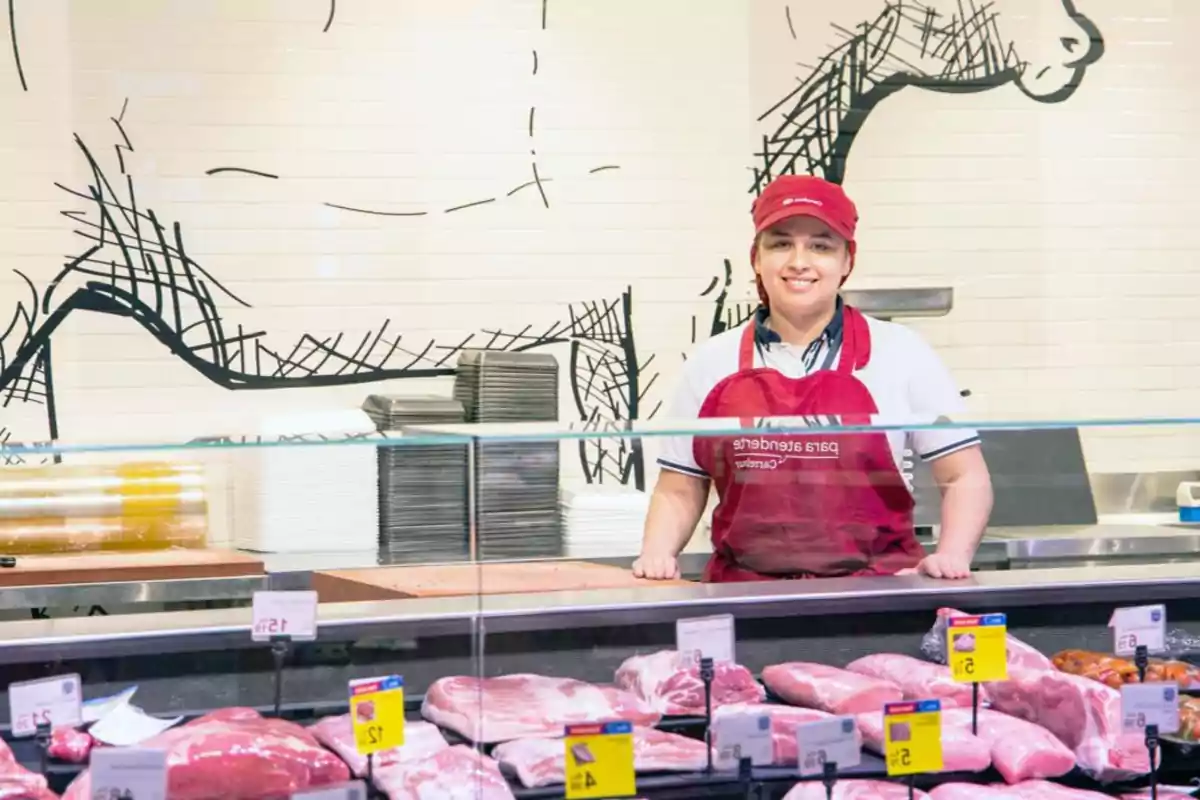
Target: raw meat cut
<point>237,749</point>
<point>917,679</point>
<point>456,773</point>
<point>837,691</point>
<point>1020,655</point>
<point>973,791</point>
<point>854,790</point>
<point>527,706</point>
<point>1084,714</point>
<point>658,680</point>
<point>71,745</point>
<point>784,720</point>
<point>961,750</point>
<point>18,783</point>
<point>1020,750</point>
<point>541,762</point>
<point>1045,790</point>
<point>421,740</point>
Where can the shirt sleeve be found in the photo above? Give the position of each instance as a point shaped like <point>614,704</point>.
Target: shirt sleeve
<point>677,453</point>
<point>932,393</point>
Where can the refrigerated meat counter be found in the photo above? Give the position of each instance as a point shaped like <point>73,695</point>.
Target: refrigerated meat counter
<point>188,663</point>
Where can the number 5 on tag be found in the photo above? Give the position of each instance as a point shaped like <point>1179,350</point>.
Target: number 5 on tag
<point>377,713</point>
<point>913,737</point>
<point>55,702</point>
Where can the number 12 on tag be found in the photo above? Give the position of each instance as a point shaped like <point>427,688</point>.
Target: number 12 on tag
<point>377,713</point>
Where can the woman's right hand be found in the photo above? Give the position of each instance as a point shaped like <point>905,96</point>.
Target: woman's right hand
<point>656,567</point>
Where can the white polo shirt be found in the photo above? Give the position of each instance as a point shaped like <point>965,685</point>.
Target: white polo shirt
<point>904,376</point>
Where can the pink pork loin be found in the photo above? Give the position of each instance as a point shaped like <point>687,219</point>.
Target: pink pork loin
<point>837,691</point>
<point>541,762</point>
<point>1020,750</point>
<point>854,790</point>
<point>421,740</point>
<point>917,679</point>
<point>456,773</point>
<point>784,720</point>
<point>961,751</point>
<point>527,706</point>
<point>1020,655</point>
<point>1084,714</point>
<point>1036,790</point>
<point>658,679</point>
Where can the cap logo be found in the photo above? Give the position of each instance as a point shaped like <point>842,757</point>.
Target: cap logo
<point>789,201</point>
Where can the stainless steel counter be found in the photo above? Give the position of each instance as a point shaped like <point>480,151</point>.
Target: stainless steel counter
<point>399,620</point>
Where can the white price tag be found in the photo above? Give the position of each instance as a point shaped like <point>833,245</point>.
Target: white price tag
<point>705,637</point>
<point>744,735</point>
<point>828,741</point>
<point>128,773</point>
<point>292,614</point>
<point>56,702</point>
<point>353,790</point>
<point>1139,625</point>
<point>1145,704</point>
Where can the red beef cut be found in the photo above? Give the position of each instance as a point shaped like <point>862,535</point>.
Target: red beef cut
<point>542,762</point>
<point>71,745</point>
<point>236,753</point>
<point>527,706</point>
<point>919,680</point>
<point>658,679</point>
<point>456,773</point>
<point>837,691</point>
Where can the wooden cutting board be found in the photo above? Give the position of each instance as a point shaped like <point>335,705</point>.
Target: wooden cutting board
<point>158,565</point>
<point>459,580</point>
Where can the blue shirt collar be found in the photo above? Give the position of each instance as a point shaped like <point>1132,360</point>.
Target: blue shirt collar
<point>764,336</point>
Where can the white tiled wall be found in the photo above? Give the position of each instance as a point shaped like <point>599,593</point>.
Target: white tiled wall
<point>1067,230</point>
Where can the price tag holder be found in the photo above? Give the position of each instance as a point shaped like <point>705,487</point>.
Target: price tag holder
<point>705,637</point>
<point>377,713</point>
<point>599,760</point>
<point>353,790</point>
<point>743,735</point>
<point>128,773</point>
<point>978,648</point>
<point>292,614</point>
<point>913,737</point>
<point>828,741</point>
<point>57,702</point>
<point>1139,626</point>
<point>1145,704</point>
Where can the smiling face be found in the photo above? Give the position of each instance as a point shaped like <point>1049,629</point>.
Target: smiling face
<point>801,263</point>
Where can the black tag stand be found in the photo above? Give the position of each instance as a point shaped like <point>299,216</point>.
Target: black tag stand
<point>707,674</point>
<point>975,708</point>
<point>829,778</point>
<point>1152,749</point>
<point>1141,660</point>
<point>280,645</point>
<point>912,786</point>
<point>370,771</point>
<point>752,790</point>
<point>43,742</point>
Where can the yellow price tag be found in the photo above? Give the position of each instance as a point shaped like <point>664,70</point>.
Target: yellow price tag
<point>377,713</point>
<point>913,737</point>
<point>977,648</point>
<point>600,760</point>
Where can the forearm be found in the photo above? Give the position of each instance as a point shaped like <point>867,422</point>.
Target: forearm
<point>676,505</point>
<point>966,507</point>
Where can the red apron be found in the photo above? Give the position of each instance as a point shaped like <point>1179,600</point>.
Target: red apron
<point>805,505</point>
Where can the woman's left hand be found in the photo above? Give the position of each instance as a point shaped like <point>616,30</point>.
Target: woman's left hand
<point>941,565</point>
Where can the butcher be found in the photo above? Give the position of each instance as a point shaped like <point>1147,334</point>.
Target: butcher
<point>813,504</point>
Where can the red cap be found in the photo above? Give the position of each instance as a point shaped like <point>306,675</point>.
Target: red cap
<point>809,196</point>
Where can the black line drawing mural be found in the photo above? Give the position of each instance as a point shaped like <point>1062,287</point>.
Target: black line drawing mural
<point>16,46</point>
<point>332,14</point>
<point>954,46</point>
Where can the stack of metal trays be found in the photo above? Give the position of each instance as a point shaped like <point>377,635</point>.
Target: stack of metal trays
<point>517,481</point>
<point>422,487</point>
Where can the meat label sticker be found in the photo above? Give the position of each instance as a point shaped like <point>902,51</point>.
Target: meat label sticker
<point>291,614</point>
<point>128,773</point>
<point>1139,626</point>
<point>830,741</point>
<point>742,735</point>
<point>54,702</point>
<point>704,637</point>
<point>977,648</point>
<point>599,760</point>
<point>377,713</point>
<point>912,737</point>
<point>1144,704</point>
